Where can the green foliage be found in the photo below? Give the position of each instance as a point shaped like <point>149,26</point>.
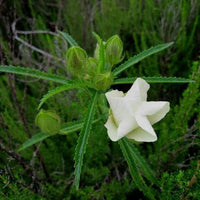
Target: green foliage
<point>34,73</point>
<point>69,38</point>
<point>134,162</point>
<point>183,184</point>
<point>58,90</point>
<point>13,191</point>
<point>140,24</point>
<point>153,80</point>
<point>83,139</point>
<point>181,131</point>
<point>65,130</point>
<point>135,59</point>
<point>189,104</point>
<point>35,139</point>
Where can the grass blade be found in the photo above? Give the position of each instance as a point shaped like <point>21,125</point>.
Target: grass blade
<point>34,73</point>
<point>83,139</point>
<point>153,80</point>
<point>135,59</point>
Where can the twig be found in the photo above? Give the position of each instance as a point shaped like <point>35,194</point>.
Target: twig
<point>36,32</point>
<point>44,53</point>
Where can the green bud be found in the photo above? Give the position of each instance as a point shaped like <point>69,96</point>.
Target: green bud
<point>103,81</point>
<point>48,121</point>
<point>91,66</point>
<point>114,48</point>
<point>77,58</point>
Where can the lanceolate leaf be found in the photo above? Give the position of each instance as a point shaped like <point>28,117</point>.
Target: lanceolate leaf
<point>34,73</point>
<point>153,80</point>
<point>69,38</point>
<point>142,164</point>
<point>134,171</point>
<point>83,139</point>
<point>71,127</point>
<point>135,59</point>
<point>35,139</point>
<point>74,126</point>
<point>58,90</point>
<point>65,130</point>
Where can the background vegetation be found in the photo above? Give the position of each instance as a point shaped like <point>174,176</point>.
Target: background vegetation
<point>45,171</point>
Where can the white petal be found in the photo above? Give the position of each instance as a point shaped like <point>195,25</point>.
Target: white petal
<point>126,126</point>
<point>114,93</point>
<point>144,123</point>
<point>138,91</point>
<point>119,108</point>
<point>154,110</point>
<point>141,135</point>
<point>122,114</point>
<point>111,128</point>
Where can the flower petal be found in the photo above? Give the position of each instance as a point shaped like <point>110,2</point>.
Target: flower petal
<point>154,110</point>
<point>111,128</point>
<point>138,91</point>
<point>118,106</point>
<point>144,123</point>
<point>114,93</point>
<point>141,135</point>
<point>126,126</point>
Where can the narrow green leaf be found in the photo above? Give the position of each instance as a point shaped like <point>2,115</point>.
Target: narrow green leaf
<point>135,59</point>
<point>33,73</point>
<point>83,139</point>
<point>142,164</point>
<point>74,126</point>
<point>35,139</point>
<point>71,127</point>
<point>68,128</point>
<point>60,89</point>
<point>134,171</point>
<point>153,80</point>
<point>68,38</point>
<point>65,130</point>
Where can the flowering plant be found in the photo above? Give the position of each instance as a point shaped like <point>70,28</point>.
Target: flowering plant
<point>131,115</point>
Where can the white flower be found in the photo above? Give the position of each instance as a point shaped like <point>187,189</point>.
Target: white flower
<point>132,115</point>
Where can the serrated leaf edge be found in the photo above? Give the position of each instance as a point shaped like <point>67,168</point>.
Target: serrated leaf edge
<point>137,58</point>
<point>83,139</point>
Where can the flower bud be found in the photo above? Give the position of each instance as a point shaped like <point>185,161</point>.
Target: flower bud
<point>103,81</point>
<point>77,59</point>
<point>114,48</point>
<point>91,66</point>
<point>48,121</point>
